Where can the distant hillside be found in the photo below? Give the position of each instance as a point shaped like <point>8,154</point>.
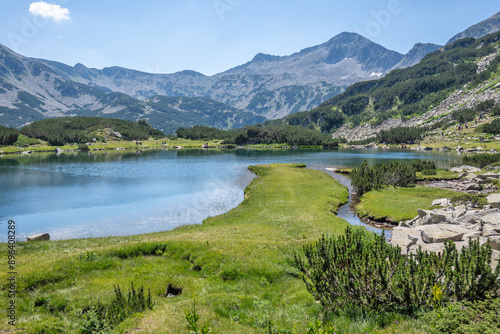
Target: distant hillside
<point>60,131</point>
<point>450,74</point>
<point>267,87</point>
<point>32,90</point>
<point>270,86</point>
<point>483,28</point>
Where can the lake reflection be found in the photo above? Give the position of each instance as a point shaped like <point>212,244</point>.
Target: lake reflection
<point>79,195</point>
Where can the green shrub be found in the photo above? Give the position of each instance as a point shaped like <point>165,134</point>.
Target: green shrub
<point>469,199</point>
<point>8,136</point>
<point>22,140</point>
<point>103,318</point>
<point>94,322</point>
<point>429,172</point>
<point>421,165</point>
<point>229,275</point>
<point>83,147</point>
<point>493,127</point>
<point>192,319</point>
<point>481,160</point>
<point>464,115</point>
<point>400,135</point>
<point>122,307</point>
<point>362,270</point>
<point>473,317</point>
<point>395,173</point>
<point>59,131</point>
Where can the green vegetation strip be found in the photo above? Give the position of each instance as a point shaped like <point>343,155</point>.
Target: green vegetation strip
<point>397,204</point>
<point>239,265</point>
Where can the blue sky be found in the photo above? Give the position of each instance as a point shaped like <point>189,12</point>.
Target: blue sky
<point>211,36</point>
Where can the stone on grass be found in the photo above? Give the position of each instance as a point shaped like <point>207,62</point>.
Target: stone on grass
<point>39,237</point>
<point>441,202</point>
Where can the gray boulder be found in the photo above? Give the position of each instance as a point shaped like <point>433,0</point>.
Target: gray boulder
<point>39,237</point>
<point>494,200</point>
<point>439,233</point>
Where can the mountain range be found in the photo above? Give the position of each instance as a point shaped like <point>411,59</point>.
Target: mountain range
<point>267,87</point>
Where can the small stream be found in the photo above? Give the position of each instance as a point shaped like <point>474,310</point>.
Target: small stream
<point>345,212</point>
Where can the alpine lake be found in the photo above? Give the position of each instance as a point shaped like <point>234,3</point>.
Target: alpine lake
<point>117,193</point>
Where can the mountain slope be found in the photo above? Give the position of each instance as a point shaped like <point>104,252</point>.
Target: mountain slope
<point>445,76</point>
<point>481,29</point>
<point>342,60</point>
<point>31,90</point>
<point>271,86</point>
<point>419,51</point>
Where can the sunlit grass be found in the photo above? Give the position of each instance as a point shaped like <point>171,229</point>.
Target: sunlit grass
<point>244,270</point>
<point>397,204</point>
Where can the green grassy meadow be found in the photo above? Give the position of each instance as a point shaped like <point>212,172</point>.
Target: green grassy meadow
<point>239,266</point>
<point>397,204</point>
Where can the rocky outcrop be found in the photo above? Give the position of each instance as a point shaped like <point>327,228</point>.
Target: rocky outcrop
<point>471,182</point>
<point>431,228</point>
<point>461,97</point>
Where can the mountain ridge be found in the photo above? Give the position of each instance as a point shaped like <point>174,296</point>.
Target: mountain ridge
<point>266,87</point>
<point>481,29</point>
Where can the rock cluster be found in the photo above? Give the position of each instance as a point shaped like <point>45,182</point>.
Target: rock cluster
<point>470,182</point>
<point>431,228</point>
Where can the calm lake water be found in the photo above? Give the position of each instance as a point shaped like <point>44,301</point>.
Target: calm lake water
<point>80,195</point>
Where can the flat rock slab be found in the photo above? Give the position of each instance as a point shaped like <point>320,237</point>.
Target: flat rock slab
<point>489,175</point>
<point>491,218</point>
<point>439,233</point>
<point>39,237</point>
<point>494,200</point>
<point>470,169</point>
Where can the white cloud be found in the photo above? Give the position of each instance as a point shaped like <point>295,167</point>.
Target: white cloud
<point>55,12</point>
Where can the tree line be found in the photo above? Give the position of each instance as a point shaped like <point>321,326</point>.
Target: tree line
<point>60,131</point>
<point>261,134</point>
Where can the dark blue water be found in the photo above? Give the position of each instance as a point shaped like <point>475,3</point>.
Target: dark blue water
<point>79,195</point>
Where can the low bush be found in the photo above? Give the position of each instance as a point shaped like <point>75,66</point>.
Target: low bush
<point>469,199</point>
<point>103,318</point>
<point>473,317</point>
<point>22,140</point>
<point>481,160</point>
<point>83,147</point>
<point>361,270</point>
<point>395,173</point>
<point>429,172</point>
<point>401,135</point>
<point>8,136</point>
<point>493,127</point>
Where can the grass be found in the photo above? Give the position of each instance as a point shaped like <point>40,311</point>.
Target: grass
<point>397,204</point>
<point>114,144</point>
<point>238,265</point>
<point>26,144</point>
<point>441,175</point>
